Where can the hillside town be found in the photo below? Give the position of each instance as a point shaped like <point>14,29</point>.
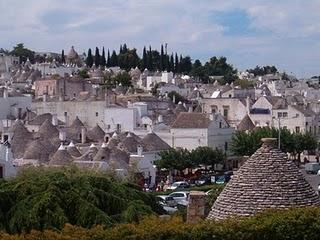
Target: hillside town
<point>159,120</point>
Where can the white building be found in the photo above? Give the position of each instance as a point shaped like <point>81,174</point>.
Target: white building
<point>192,130</point>
<point>7,62</point>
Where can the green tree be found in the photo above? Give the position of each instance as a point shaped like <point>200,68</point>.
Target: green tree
<point>161,64</point>
<point>63,60</point>
<point>123,78</point>
<point>89,59</point>
<point>108,59</point>
<point>178,97</point>
<point>113,59</point>
<point>144,59</point>
<point>97,57</point>
<point>174,159</point>
<point>207,156</point>
<point>103,60</point>
<point>128,59</point>
<point>23,53</point>
<point>84,73</point>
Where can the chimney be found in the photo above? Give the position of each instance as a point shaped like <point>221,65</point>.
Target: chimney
<point>83,135</point>
<point>5,93</point>
<point>44,97</point>
<point>54,120</point>
<point>248,104</point>
<point>160,119</point>
<point>190,109</point>
<point>196,207</point>
<point>66,120</point>
<point>139,150</point>
<point>174,98</point>
<point>62,135</point>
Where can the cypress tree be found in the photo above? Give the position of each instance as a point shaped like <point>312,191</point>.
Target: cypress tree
<point>89,59</point>
<point>114,59</point>
<point>124,48</point>
<point>63,60</point>
<point>161,59</point>
<point>108,59</point>
<point>103,58</point>
<point>120,51</point>
<point>150,62</point>
<point>144,59</point>
<point>171,63</point>
<point>176,64</point>
<point>97,57</point>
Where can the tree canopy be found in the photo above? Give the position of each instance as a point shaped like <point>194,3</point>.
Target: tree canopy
<point>246,143</point>
<point>260,71</point>
<point>23,53</point>
<point>180,159</point>
<point>50,198</point>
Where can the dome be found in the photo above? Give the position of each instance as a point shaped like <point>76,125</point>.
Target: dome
<point>268,179</point>
<point>72,55</point>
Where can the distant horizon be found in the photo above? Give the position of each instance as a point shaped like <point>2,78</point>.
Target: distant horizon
<point>246,32</point>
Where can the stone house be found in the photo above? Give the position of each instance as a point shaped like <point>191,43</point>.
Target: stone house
<point>232,109</point>
<point>192,130</point>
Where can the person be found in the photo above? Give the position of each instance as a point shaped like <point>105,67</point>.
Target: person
<point>161,185</point>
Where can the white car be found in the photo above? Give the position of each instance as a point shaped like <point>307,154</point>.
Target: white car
<point>181,198</point>
<point>177,185</point>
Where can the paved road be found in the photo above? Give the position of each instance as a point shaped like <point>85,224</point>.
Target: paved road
<point>313,179</point>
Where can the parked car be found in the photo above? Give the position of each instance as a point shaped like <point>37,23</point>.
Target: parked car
<point>312,168</point>
<point>178,185</point>
<point>181,198</point>
<point>168,209</point>
<point>167,200</point>
<point>203,180</point>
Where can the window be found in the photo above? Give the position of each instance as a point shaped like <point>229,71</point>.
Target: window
<point>225,146</point>
<point>65,114</point>
<point>279,114</point>
<point>119,127</point>
<point>297,115</point>
<point>225,112</point>
<point>285,114</point>
<point>97,114</point>
<point>220,124</point>
<point>297,129</point>
<point>230,95</point>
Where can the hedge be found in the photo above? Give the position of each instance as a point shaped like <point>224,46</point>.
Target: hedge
<point>293,224</point>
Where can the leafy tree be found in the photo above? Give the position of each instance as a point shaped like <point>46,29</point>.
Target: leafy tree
<point>185,65</point>
<point>128,59</point>
<point>23,53</point>
<point>178,97</point>
<point>295,143</point>
<point>103,60</point>
<point>123,78</point>
<point>45,198</point>
<point>260,71</point>
<point>207,156</point>
<point>97,57</point>
<point>174,159</point>
<point>84,73</point>
<point>89,59</point>
<point>244,83</point>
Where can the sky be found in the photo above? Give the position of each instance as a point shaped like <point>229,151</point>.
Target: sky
<point>284,33</point>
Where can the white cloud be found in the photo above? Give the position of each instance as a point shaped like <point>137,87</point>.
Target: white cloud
<point>283,28</point>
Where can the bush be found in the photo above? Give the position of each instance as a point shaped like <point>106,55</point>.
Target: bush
<point>293,224</point>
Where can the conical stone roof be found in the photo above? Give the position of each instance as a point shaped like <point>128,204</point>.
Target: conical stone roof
<point>152,142</point>
<point>37,150</point>
<point>73,150</point>
<point>48,130</point>
<point>61,157</point>
<point>246,124</point>
<point>103,154</point>
<point>268,179</point>
<point>96,134</point>
<point>20,139</point>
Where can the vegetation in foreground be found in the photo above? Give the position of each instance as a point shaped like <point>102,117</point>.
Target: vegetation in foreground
<point>293,224</point>
<point>46,198</point>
